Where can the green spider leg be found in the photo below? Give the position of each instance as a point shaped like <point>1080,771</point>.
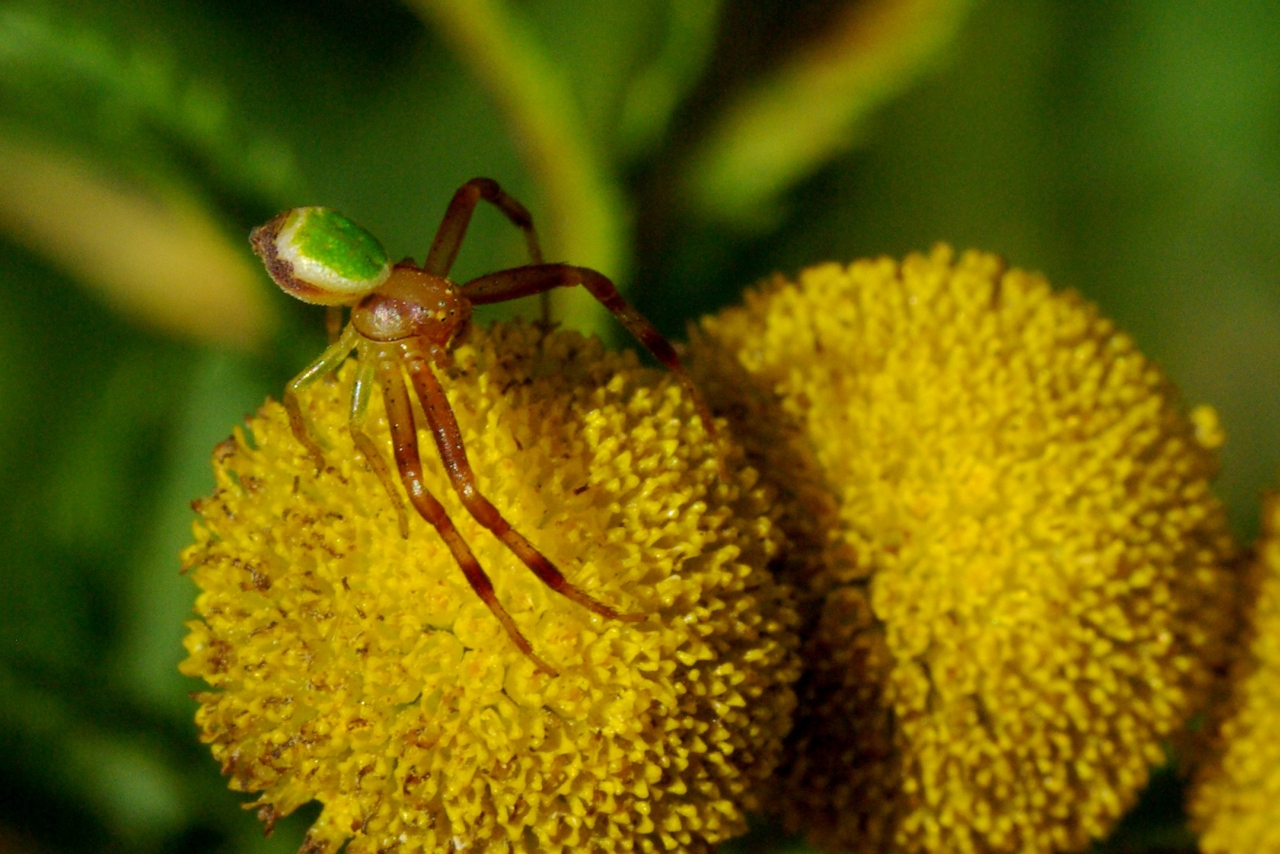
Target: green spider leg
<point>325,364</point>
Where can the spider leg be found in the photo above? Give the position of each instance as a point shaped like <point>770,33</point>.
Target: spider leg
<point>444,428</point>
<point>444,249</point>
<point>523,281</point>
<point>404,440</point>
<point>359,408</point>
<point>453,228</point>
<point>333,322</point>
<point>326,362</point>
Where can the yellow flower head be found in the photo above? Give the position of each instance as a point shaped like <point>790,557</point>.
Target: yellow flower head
<point>358,668</point>
<point>1235,802</point>
<point>1010,563</point>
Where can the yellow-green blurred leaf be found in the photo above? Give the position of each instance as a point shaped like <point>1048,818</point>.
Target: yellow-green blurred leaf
<point>159,258</point>
<point>807,110</point>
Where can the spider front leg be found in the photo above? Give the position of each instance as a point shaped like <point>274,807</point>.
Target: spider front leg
<point>540,278</point>
<point>327,362</point>
<point>448,437</point>
<point>453,228</point>
<point>404,439</point>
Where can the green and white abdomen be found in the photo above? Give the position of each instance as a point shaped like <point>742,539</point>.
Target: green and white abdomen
<point>321,257</point>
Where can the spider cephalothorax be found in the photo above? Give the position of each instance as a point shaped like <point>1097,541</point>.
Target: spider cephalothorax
<point>403,320</point>
<point>412,303</point>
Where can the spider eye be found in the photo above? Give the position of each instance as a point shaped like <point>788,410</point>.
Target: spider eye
<point>320,256</point>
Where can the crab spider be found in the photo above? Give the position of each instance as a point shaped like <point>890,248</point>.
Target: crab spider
<point>404,319</point>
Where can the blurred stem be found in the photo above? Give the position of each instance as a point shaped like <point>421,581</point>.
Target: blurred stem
<point>160,258</point>
<point>587,209</point>
<point>807,110</point>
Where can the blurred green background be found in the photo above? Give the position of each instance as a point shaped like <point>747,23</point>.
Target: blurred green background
<point>685,147</point>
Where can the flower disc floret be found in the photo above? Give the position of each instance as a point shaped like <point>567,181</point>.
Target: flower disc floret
<point>355,667</point>
<point>1011,568</point>
<point>1235,801</point>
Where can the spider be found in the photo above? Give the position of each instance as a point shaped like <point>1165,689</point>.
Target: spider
<point>404,320</point>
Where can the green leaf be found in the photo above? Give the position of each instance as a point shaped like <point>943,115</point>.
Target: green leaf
<point>810,107</point>
<point>160,257</point>
<point>135,103</point>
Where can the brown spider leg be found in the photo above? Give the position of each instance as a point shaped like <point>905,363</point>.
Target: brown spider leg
<point>404,440</point>
<point>444,428</point>
<point>360,391</point>
<point>324,364</point>
<point>522,281</point>
<point>453,228</point>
